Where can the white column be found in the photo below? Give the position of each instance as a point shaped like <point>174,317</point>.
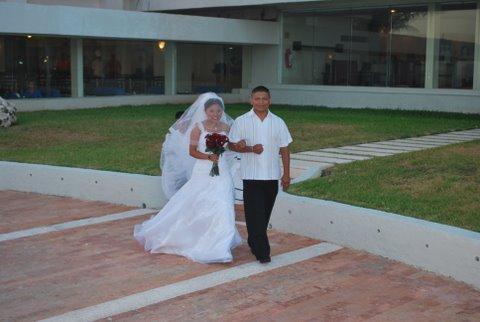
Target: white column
<point>280,50</point>
<point>76,66</point>
<point>476,63</point>
<point>431,63</point>
<point>264,65</point>
<point>171,69</point>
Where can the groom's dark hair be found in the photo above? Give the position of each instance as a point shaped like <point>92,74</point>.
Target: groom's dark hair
<point>261,89</point>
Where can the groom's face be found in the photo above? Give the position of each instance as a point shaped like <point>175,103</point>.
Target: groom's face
<point>260,101</point>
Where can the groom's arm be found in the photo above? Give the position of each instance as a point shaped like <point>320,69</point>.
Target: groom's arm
<point>240,147</point>
<point>238,143</point>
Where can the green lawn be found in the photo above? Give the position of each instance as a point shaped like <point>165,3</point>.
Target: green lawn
<point>441,184</point>
<point>129,138</point>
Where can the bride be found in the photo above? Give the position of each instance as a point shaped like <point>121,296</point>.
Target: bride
<point>198,221</point>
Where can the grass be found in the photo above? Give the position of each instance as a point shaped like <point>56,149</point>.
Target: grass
<point>440,185</point>
<point>129,138</point>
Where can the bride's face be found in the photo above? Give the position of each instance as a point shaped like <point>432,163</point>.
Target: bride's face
<point>214,112</point>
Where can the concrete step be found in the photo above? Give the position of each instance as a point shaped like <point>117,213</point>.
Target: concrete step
<point>424,143</point>
<point>401,143</point>
<point>309,164</point>
<point>379,150</point>
<point>452,137</point>
<point>319,159</point>
<point>435,140</point>
<point>466,135</point>
<point>335,155</point>
<point>390,147</point>
<point>356,152</point>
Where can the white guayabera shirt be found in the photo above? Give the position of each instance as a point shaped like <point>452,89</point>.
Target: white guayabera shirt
<point>272,133</point>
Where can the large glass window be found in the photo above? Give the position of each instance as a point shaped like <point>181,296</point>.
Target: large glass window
<point>205,67</point>
<point>407,47</point>
<point>388,47</point>
<point>368,47</point>
<point>369,43</point>
<point>34,67</point>
<point>121,67</point>
<point>456,46</point>
<point>299,44</point>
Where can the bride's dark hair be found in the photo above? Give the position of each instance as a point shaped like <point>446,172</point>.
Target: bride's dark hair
<point>213,101</point>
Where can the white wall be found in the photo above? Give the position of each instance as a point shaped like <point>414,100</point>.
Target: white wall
<point>88,22</point>
<point>264,65</point>
<point>104,4</point>
<point>39,104</point>
<point>462,101</point>
<point>116,187</point>
<point>442,249</point>
<point>331,96</point>
<point>159,5</point>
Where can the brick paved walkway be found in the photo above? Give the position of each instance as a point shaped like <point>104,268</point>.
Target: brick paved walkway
<point>55,273</point>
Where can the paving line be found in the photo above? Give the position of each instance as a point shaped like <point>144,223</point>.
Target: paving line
<point>425,143</point>
<point>320,159</point>
<point>356,152</point>
<point>440,140</point>
<point>473,132</point>
<point>390,147</point>
<point>321,153</point>
<point>465,135</point>
<point>74,224</point>
<point>79,223</point>
<point>451,138</point>
<point>438,137</point>
<point>167,292</point>
<point>367,149</point>
<point>405,144</point>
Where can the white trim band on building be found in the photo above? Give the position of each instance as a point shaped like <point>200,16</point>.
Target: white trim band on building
<point>443,100</point>
<point>65,21</point>
<point>40,104</point>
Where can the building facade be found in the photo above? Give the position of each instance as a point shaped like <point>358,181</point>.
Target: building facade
<point>380,54</point>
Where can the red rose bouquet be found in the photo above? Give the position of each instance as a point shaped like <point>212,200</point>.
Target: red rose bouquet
<point>215,143</point>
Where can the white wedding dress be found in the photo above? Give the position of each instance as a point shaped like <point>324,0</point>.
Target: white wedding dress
<point>198,222</point>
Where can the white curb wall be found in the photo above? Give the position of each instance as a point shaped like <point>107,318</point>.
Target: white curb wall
<point>442,249</point>
<point>115,187</point>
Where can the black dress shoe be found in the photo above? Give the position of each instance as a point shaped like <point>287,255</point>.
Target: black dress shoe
<point>265,260</point>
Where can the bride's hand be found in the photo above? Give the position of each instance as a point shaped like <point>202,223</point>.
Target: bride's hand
<point>213,157</point>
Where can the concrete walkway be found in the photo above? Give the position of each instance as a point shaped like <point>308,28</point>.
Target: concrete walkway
<point>97,271</point>
<point>329,157</point>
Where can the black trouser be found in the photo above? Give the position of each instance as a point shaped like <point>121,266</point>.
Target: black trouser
<point>258,199</point>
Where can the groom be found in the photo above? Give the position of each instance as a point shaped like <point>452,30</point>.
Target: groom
<point>261,136</point>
